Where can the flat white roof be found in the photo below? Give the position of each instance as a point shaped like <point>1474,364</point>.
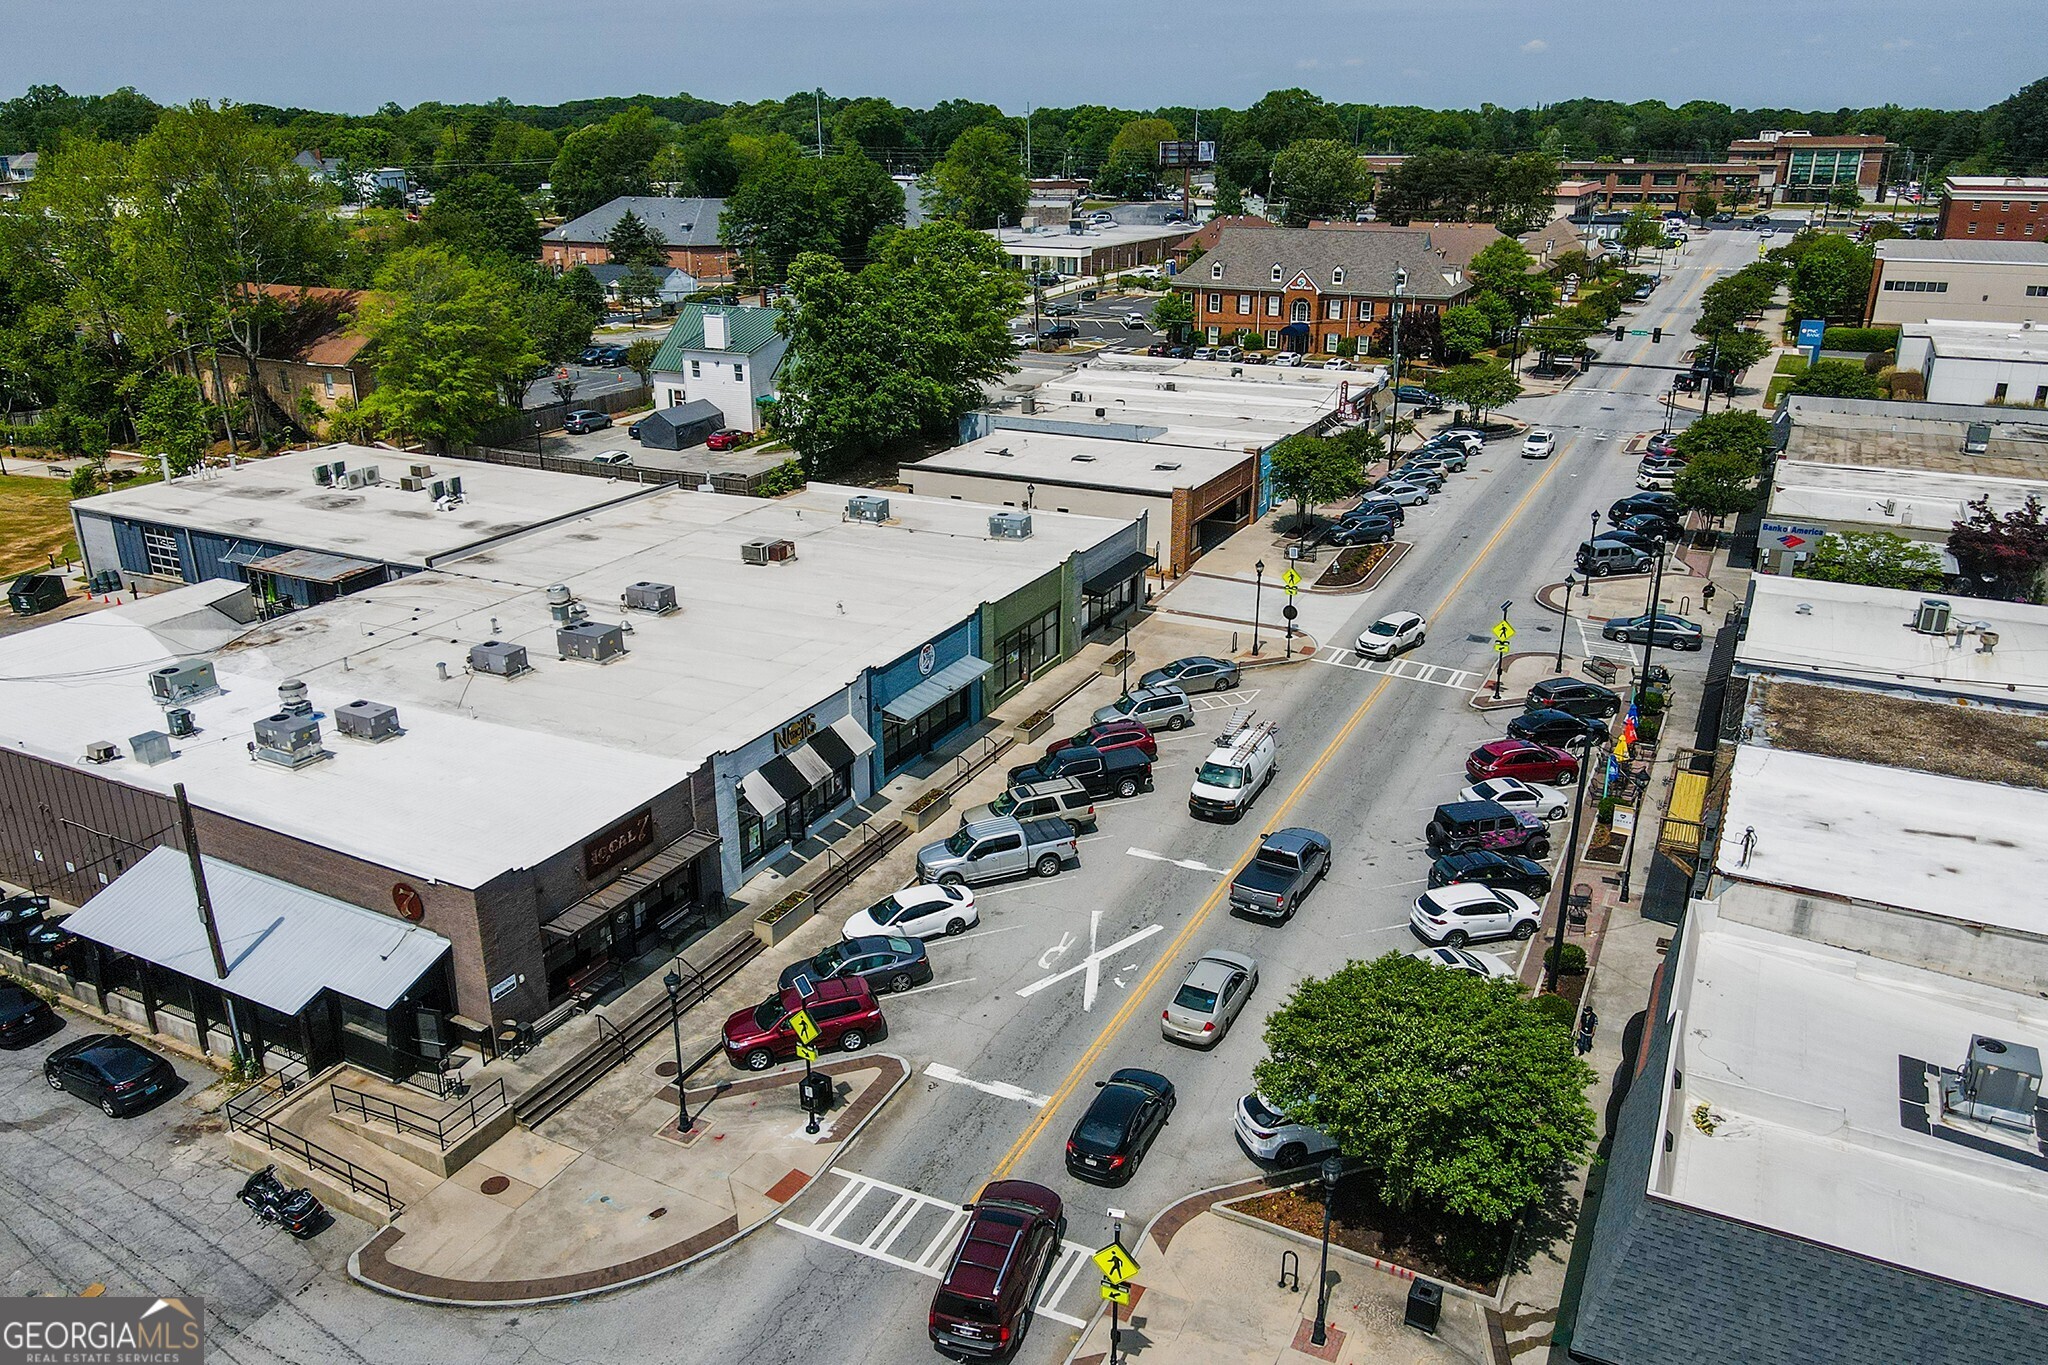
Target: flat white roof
<point>1054,239</point>
<point>1804,627</point>
<point>277,500</point>
<point>1967,851</point>
<point>1799,1054</point>
<point>1907,499</point>
<point>2027,343</point>
<point>1151,467</point>
<point>1197,402</point>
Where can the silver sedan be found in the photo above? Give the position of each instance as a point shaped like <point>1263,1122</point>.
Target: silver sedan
<point>1209,999</point>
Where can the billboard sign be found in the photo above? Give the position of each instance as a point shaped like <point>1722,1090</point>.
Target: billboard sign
<point>1176,156</point>
<point>1811,332</point>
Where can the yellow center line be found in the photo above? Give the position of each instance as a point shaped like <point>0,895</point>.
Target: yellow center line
<point>1171,952</point>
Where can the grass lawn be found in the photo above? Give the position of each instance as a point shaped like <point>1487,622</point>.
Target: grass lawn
<point>35,519</point>
<point>1792,364</point>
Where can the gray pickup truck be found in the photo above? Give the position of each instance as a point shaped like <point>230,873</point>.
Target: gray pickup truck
<point>1002,846</point>
<point>1288,863</point>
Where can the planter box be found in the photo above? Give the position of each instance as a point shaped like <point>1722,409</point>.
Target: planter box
<point>1114,664</point>
<point>1035,724</point>
<point>923,812</point>
<point>784,918</point>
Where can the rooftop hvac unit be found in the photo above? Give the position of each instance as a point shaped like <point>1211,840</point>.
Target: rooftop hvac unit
<point>288,741</point>
<point>592,640</point>
<point>1077,397</point>
<point>340,468</point>
<point>1931,618</point>
<point>180,682</point>
<point>1999,1083</point>
<point>767,551</point>
<point>323,474</point>
<point>292,698</point>
<point>454,485</point>
<point>1977,439</point>
<point>412,483</point>
<point>1170,386</point>
<point>151,747</point>
<point>659,598</point>
<point>499,658</point>
<point>438,489</point>
<point>1010,525</point>
<point>563,606</point>
<point>1030,403</point>
<point>359,478</point>
<point>371,720</point>
<point>180,721</point>
<point>1100,412</point>
<point>422,471</point>
<point>101,751</point>
<point>867,507</point>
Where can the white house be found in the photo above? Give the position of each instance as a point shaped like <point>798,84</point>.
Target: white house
<point>727,355</point>
<point>1978,362</point>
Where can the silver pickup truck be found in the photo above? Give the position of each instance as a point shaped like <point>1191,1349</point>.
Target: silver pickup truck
<point>1003,846</point>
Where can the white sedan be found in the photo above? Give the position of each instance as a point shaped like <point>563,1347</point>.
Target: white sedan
<point>1539,445</point>
<point>1486,966</point>
<point>1547,803</point>
<point>920,911</point>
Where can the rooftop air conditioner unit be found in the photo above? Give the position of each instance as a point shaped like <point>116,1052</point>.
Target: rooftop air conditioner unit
<point>1932,616</point>
<point>371,720</point>
<point>1010,525</point>
<point>1999,1083</point>
<point>422,471</point>
<point>181,722</point>
<point>591,640</point>
<point>360,478</point>
<point>174,684</point>
<point>150,748</point>
<point>438,489</point>
<point>1102,412</point>
<point>563,606</point>
<point>412,483</point>
<point>767,551</point>
<point>340,468</point>
<point>101,751</point>
<point>288,741</point>
<point>323,474</point>
<point>867,507</point>
<point>1977,439</point>
<point>1170,386</point>
<point>1030,404</point>
<point>659,598</point>
<point>454,485</point>
<point>1077,397</point>
<point>499,658</point>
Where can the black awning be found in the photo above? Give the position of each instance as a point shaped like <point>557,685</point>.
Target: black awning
<point>1125,569</point>
<point>787,779</point>
<point>650,871</point>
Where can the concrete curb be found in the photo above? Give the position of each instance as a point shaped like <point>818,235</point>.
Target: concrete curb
<point>627,1282</point>
<point>1397,551</point>
<point>1395,1269</point>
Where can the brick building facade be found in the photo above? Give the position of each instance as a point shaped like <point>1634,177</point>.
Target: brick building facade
<point>1316,291</point>
<point>1994,207</point>
<point>1661,185</point>
<point>1802,167</point>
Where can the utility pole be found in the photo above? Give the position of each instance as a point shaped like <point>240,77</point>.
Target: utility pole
<point>206,920</point>
<point>1394,384</point>
<point>1027,149</point>
<point>818,108</point>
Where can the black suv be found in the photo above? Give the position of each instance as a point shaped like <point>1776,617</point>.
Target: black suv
<point>1509,870</point>
<point>1104,772</point>
<point>1463,826</point>
<point>1662,506</point>
<point>1588,700</point>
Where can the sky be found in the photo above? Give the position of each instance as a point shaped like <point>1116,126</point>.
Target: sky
<point>354,56</point>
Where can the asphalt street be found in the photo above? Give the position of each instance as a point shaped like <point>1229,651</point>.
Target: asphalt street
<point>1060,985</point>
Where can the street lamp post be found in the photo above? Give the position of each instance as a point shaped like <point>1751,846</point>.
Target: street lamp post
<point>1586,584</point>
<point>1670,398</point>
<point>1595,741</point>
<point>1030,495</point>
<point>674,982</point>
<point>1394,384</point>
<point>1650,632</point>
<point>1566,627</point>
<point>1333,1171</point>
<point>1258,591</point>
<point>1500,655</point>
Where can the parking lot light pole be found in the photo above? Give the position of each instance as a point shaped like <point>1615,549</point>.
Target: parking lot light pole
<point>674,983</point>
<point>1650,631</point>
<point>1333,1171</point>
<point>1596,743</point>
<point>1258,590</point>
<point>1394,383</point>
<point>1586,590</point>
<point>1566,627</point>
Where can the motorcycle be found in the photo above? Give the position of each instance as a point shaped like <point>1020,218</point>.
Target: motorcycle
<point>298,1212</point>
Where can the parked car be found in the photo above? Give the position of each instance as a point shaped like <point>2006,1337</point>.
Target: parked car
<point>1517,758</point>
<point>1415,396</point>
<point>114,1072</point>
<point>1159,708</point>
<point>1539,445</point>
<point>1209,998</point>
<point>1114,772</point>
<point>1491,868</point>
<point>1336,362</point>
<point>1354,531</point>
<point>1046,277</point>
<point>1090,295</point>
<point>1372,505</point>
<point>1662,443</point>
<point>1610,554</point>
<point>1230,353</point>
<point>1137,322</point>
<point>1121,1123</point>
<point>983,1306</point>
<point>1665,630</point>
<point>25,1017</point>
<point>1059,331</point>
<point>919,911</point>
<point>1395,633</point>
<point>1114,734</point>
<point>1641,532</point>
<point>1196,673</point>
<point>1448,456</point>
<point>1235,772</point>
<point>1662,506</point>
<point>1661,464</point>
<point>1485,966</point>
<point>1429,476</point>
<point>1058,798</point>
<point>1580,696</point>
<point>583,421</point>
<point>1061,310</point>
<point>1269,1135</point>
<point>1001,847</point>
<point>1545,803</point>
<point>1457,914</point>
<point>1548,726</point>
<point>1290,359</point>
<point>1466,826</point>
<point>1205,353</point>
<point>887,962</point>
<point>727,439</point>
<point>1472,438</point>
<point>844,1010</point>
<point>1288,863</point>
<point>1401,491</point>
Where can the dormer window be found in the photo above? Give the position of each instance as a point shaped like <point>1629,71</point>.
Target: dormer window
<point>1337,275</point>
<point>1276,274</point>
<point>1216,271</point>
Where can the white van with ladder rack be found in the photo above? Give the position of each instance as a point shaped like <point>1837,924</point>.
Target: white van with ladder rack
<point>1233,774</point>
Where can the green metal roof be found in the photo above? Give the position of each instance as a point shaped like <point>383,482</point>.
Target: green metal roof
<point>748,330</point>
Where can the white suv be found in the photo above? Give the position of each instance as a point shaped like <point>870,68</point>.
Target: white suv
<point>1456,914</point>
<point>1271,1136</point>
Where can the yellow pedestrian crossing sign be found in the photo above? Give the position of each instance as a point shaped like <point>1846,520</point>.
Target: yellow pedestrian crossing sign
<point>805,1052</point>
<point>1503,633</point>
<point>801,1024</point>
<point>1290,582</point>
<point>1117,1263</point>
<point>1116,1292</point>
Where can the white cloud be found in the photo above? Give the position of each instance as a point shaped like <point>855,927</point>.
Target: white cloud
<point>1535,45</point>
<point>1354,61</point>
<point>1309,64</point>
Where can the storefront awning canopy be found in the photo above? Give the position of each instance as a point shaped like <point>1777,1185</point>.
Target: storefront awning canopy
<point>841,742</point>
<point>788,775</point>
<point>631,883</point>
<point>283,943</point>
<point>933,690</point>
<point>242,556</point>
<point>1117,574</point>
<point>311,566</point>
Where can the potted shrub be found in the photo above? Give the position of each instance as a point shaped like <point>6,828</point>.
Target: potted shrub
<point>782,919</point>
<point>927,808</point>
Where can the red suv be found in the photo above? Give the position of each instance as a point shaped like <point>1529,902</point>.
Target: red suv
<point>1517,758</point>
<point>724,440</point>
<point>1013,1233</point>
<point>843,1008</point>
<point>1110,734</point>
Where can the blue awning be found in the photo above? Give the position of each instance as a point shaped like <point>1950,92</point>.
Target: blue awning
<point>935,689</point>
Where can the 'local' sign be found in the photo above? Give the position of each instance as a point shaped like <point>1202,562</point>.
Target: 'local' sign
<point>629,836</point>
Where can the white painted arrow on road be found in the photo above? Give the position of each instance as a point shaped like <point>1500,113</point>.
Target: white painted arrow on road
<point>938,1071</point>
<point>1189,863</point>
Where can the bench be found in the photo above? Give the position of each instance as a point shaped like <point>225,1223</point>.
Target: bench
<point>1604,669</point>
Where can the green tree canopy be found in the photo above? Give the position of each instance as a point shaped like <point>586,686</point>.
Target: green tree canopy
<point>445,340</point>
<point>1719,483</point>
<point>1505,270</point>
<point>603,161</point>
<point>2002,555</point>
<point>1174,313</point>
<point>632,242</point>
<point>1465,330</point>
<point>980,181</point>
<point>171,420</point>
<point>1313,471</point>
<point>1705,205</point>
<point>1640,231</point>
<point>789,203</point>
<point>1131,168</point>
<point>1454,1092</point>
<point>481,215</point>
<point>1876,559</point>
<point>1318,178</point>
<point>1480,387</point>
<point>1831,279</point>
<point>1837,379</point>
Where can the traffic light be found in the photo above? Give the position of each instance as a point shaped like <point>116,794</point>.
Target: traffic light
<point>1621,333</point>
<point>1656,334</point>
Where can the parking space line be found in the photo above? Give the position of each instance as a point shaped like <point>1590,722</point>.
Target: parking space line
<point>937,985</point>
<point>1189,863</point>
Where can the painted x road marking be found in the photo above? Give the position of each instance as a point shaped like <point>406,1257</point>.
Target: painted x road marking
<point>1189,863</point>
<point>1091,965</point>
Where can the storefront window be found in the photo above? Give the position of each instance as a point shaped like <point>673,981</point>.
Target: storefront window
<point>911,739</point>
<point>1020,653</point>
<point>760,835</point>
<point>1099,610</point>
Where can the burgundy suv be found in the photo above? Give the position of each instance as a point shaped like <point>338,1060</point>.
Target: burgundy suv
<point>1013,1233</point>
<point>1110,734</point>
<point>842,1007</point>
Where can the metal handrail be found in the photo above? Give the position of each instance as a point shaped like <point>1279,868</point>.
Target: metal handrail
<point>403,1119</point>
<point>257,1099</point>
<point>314,1157</point>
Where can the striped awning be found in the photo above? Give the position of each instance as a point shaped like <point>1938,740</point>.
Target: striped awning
<point>787,776</point>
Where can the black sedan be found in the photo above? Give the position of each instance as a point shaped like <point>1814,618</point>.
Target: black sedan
<point>1667,631</point>
<point>1635,540</point>
<point>1548,726</point>
<point>887,963</point>
<point>1359,531</point>
<point>25,1017</point>
<point>1059,331</point>
<point>1576,695</point>
<point>118,1075</point>
<point>18,915</point>
<point>1509,870</point>
<point>1196,673</point>
<point>1129,1110</point>
<point>1648,525</point>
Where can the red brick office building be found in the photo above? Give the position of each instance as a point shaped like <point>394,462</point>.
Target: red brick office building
<point>1801,168</point>
<point>1309,290</point>
<point>1993,207</point>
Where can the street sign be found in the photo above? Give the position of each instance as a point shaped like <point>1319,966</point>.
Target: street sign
<point>1503,632</point>
<point>1500,646</point>
<point>1812,333</point>
<point>1289,612</point>
<point>1116,1292</point>
<point>800,1024</point>
<point>1116,1263</point>
<point>1290,582</point>
<point>1638,331</point>
<point>805,1052</point>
